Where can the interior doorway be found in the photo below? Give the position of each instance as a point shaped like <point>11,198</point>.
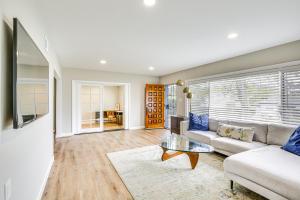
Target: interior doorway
<point>113,107</point>
<point>57,106</point>
<point>54,110</point>
<point>99,106</point>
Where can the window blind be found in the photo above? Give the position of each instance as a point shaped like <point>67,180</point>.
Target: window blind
<point>200,100</point>
<point>265,96</point>
<point>290,97</point>
<point>248,97</point>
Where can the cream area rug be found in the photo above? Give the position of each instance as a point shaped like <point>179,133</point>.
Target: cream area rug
<point>148,178</point>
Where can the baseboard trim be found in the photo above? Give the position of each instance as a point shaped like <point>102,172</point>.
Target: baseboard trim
<point>136,127</point>
<point>64,135</point>
<point>40,195</point>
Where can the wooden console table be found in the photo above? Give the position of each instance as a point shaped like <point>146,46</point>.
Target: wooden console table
<point>175,123</point>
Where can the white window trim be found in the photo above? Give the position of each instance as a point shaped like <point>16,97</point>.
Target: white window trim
<point>287,66</point>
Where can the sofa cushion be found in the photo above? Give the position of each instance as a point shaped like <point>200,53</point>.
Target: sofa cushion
<point>270,167</point>
<point>260,129</point>
<point>236,132</point>
<point>233,145</point>
<point>279,134</point>
<point>214,123</point>
<point>201,136</point>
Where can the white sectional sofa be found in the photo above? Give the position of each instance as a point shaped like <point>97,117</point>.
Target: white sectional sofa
<point>261,166</point>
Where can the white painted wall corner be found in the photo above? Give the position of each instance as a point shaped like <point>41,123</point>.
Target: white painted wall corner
<point>40,194</point>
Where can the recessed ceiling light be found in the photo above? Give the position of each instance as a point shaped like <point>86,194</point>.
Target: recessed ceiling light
<point>103,62</point>
<point>232,35</point>
<point>149,2</point>
<point>151,68</point>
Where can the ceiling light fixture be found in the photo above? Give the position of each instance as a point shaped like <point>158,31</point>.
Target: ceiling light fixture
<point>103,62</point>
<point>232,36</point>
<point>151,68</point>
<point>149,3</point>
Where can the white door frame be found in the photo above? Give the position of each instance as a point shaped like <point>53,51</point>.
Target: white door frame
<point>58,104</point>
<point>75,101</point>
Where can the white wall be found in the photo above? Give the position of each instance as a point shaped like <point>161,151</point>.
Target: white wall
<point>137,93</point>
<point>275,55</point>
<point>25,154</point>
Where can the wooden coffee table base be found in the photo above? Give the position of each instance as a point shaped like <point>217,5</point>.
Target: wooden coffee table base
<point>192,156</point>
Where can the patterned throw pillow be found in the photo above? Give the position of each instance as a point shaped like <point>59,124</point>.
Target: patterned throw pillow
<point>236,132</point>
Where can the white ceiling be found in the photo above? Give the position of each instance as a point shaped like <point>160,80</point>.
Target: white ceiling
<point>171,36</point>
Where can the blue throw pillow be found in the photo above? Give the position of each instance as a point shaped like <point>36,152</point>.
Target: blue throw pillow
<point>198,122</point>
<point>293,145</point>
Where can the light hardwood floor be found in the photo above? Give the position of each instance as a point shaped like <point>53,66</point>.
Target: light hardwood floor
<point>82,171</point>
<point>111,126</point>
<point>106,126</point>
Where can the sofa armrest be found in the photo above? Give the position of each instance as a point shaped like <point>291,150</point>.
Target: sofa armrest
<point>184,125</point>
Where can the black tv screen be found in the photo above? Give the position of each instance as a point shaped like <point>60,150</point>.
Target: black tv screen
<point>30,78</point>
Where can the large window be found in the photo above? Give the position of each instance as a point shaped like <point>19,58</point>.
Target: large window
<point>290,97</point>
<point>254,97</point>
<point>272,96</point>
<point>200,100</point>
<point>170,103</point>
<point>171,95</point>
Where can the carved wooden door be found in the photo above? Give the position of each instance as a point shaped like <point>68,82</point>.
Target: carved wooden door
<point>154,103</point>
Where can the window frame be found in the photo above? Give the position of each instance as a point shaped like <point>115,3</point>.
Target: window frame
<point>174,107</point>
<point>174,95</point>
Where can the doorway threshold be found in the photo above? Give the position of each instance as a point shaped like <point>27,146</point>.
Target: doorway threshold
<point>111,130</point>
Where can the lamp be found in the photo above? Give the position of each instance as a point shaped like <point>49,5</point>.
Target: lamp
<point>186,90</point>
<point>179,83</point>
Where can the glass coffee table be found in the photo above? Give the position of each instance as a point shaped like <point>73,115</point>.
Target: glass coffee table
<point>181,144</point>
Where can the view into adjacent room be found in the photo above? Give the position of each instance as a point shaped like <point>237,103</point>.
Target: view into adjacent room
<point>101,107</point>
<point>113,107</point>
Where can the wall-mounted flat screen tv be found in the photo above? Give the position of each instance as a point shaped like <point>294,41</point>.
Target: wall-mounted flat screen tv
<point>30,78</point>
